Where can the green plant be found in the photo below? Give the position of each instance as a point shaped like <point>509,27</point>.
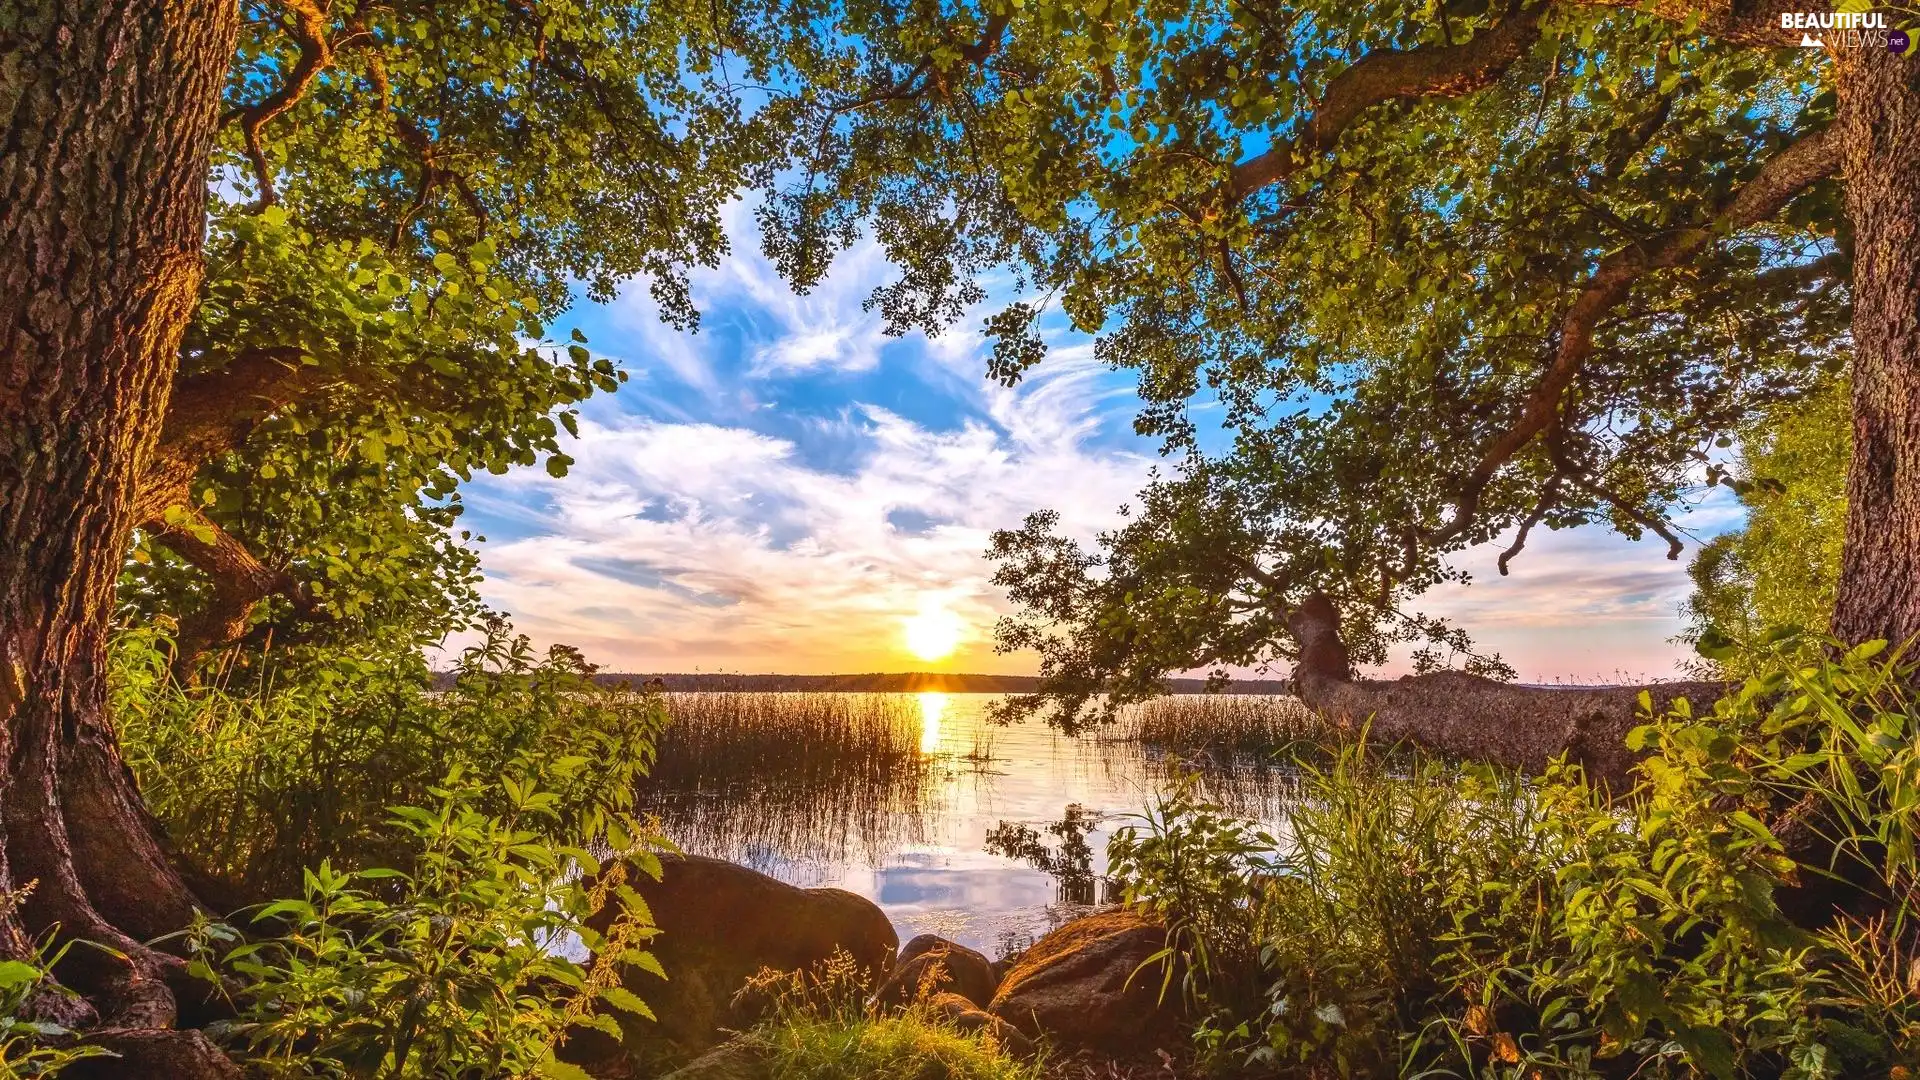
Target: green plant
<point>31,1044</point>
<point>1204,873</point>
<point>1461,921</point>
<point>258,783</point>
<point>816,1026</point>
<point>456,969</point>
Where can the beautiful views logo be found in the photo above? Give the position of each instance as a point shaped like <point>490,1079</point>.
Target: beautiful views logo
<point>1851,29</point>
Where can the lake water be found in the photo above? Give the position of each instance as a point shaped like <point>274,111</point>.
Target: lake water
<point>988,835</point>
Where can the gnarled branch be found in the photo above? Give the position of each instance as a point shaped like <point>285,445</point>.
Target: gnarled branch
<point>212,413</point>
<point>239,581</point>
<point>1778,181</point>
<point>1389,75</point>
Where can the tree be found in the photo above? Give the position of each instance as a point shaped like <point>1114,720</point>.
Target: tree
<point>390,198</point>
<point>1781,569</point>
<point>1447,273</point>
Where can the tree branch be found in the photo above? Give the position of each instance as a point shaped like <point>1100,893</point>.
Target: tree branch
<point>310,33</point>
<point>212,413</point>
<point>1778,181</point>
<point>239,582</point>
<point>1548,493</point>
<point>1389,75</point>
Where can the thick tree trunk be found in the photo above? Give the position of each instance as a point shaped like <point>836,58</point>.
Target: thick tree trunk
<point>1880,159</point>
<point>107,112</point>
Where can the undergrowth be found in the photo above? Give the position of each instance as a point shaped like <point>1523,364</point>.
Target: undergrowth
<point>1426,919</point>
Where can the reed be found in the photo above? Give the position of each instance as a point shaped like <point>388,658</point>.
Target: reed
<point>809,775</point>
<point>1231,723</point>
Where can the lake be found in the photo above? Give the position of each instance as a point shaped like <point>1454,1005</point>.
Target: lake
<point>983,833</point>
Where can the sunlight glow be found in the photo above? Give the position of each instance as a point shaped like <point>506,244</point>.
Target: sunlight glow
<point>933,704</point>
<point>934,633</point>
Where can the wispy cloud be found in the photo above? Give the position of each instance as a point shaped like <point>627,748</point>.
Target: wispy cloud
<point>784,489</point>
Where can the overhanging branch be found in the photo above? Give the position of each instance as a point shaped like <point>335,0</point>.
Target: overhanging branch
<point>1389,75</point>
<point>1778,181</point>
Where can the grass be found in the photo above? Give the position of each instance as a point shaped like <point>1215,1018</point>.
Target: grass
<point>905,1047</point>
<point>1217,723</point>
<point>804,774</point>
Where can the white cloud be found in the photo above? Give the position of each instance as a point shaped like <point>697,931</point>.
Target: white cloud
<point>675,544</point>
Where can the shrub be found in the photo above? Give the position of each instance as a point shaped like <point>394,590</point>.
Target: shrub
<point>1454,921</point>
<point>258,784</point>
<point>446,849</point>
<point>31,1045</point>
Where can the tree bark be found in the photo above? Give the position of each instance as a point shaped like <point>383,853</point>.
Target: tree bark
<point>1879,123</point>
<point>107,112</point>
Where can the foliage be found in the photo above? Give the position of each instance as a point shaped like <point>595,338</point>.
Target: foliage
<point>1782,568</point>
<point>32,1046</point>
<point>1203,873</point>
<point>1448,274</point>
<point>1462,922</point>
<point>404,196</point>
<point>455,969</point>
<point>446,850</point>
<point>256,786</point>
<point>816,1027</point>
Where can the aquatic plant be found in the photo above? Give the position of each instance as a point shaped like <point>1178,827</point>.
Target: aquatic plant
<point>810,775</point>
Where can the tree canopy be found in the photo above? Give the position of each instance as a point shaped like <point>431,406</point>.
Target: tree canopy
<point>1444,274</point>
<point>403,196</point>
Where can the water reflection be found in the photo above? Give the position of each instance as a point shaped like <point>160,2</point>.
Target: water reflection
<point>985,834</point>
<point>932,704</point>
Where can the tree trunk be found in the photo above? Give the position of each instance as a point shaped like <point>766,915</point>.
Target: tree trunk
<point>1879,120</point>
<point>107,113</point>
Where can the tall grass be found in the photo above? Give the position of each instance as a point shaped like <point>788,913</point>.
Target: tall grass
<point>1219,723</point>
<point>808,775</point>
<point>816,1026</point>
<point>1426,918</point>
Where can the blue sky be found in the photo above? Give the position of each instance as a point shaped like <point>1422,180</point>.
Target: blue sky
<point>784,489</point>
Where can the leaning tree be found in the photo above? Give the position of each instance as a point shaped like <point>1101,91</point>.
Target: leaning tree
<point>1442,274</point>
<point>273,279</point>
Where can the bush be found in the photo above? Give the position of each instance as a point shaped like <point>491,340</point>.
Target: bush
<point>1445,921</point>
<point>256,785</point>
<point>446,849</point>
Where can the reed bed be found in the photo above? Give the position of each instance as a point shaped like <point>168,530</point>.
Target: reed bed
<point>1189,724</point>
<point>753,775</point>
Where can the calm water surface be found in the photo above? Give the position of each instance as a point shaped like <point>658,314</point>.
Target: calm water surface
<point>991,836</point>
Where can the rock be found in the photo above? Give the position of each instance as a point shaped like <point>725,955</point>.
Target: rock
<point>720,924</point>
<point>1077,987</point>
<point>965,1016</point>
<point>740,1059</point>
<point>931,964</point>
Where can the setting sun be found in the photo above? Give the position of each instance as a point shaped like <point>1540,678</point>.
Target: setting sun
<point>934,633</point>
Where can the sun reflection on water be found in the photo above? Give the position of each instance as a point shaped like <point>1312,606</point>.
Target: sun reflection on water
<point>933,704</point>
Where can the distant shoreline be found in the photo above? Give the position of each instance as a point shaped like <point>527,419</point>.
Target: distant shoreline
<point>892,682</point>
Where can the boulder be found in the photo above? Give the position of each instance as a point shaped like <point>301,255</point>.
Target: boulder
<point>720,924</point>
<point>965,1016</point>
<point>931,964</point>
<point>1078,987</point>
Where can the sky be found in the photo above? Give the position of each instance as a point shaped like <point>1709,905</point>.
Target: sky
<point>790,490</point>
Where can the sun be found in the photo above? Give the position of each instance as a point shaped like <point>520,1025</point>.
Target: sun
<point>934,633</point>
